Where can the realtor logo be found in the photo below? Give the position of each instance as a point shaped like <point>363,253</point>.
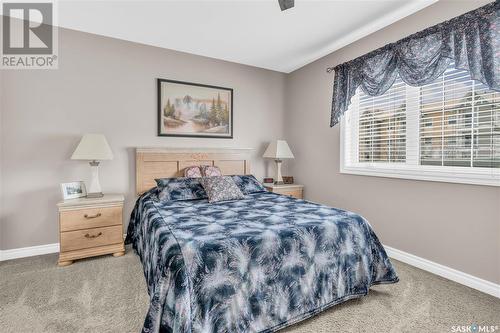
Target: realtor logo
<point>28,36</point>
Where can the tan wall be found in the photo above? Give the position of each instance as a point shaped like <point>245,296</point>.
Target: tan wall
<point>451,224</point>
<point>108,86</point>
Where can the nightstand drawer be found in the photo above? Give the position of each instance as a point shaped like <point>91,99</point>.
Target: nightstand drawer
<point>86,238</point>
<point>292,190</point>
<point>296,193</point>
<point>90,218</point>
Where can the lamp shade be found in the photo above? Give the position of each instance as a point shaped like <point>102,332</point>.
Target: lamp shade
<point>278,149</point>
<point>92,147</point>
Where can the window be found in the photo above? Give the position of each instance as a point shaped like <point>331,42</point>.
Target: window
<point>382,126</point>
<point>448,130</point>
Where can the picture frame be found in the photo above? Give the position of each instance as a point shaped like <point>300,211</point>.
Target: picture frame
<point>73,190</point>
<point>187,109</point>
<point>288,180</point>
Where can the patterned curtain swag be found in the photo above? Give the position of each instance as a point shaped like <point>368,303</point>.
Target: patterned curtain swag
<point>471,41</point>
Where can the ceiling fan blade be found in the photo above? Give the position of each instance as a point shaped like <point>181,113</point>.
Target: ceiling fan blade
<point>286,4</point>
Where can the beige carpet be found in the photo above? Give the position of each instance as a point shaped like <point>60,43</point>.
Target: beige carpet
<point>107,294</point>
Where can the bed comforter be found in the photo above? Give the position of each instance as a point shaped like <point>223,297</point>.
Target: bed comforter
<point>252,265</point>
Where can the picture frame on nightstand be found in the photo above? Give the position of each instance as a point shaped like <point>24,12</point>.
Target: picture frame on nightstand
<point>268,180</point>
<point>73,190</point>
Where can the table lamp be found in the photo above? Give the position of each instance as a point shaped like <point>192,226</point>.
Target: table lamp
<point>278,150</point>
<point>93,148</point>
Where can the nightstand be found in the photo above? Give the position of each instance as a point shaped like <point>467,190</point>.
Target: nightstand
<point>293,190</point>
<point>90,227</point>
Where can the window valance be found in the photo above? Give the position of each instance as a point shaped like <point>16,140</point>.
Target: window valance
<point>470,41</point>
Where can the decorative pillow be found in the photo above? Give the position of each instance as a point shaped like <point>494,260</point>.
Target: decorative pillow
<point>248,184</point>
<point>175,189</point>
<point>221,188</point>
<point>192,172</point>
<point>210,171</point>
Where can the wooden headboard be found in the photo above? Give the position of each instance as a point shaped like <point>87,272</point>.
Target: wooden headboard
<point>152,163</point>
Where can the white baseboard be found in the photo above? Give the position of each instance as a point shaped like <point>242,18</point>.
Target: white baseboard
<point>410,259</point>
<point>31,251</point>
<point>28,251</point>
<point>445,271</point>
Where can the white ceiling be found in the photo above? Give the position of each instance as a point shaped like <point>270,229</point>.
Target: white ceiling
<point>255,33</point>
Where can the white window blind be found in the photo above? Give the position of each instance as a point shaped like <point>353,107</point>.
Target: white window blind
<point>448,130</point>
<point>382,125</point>
<point>459,123</point>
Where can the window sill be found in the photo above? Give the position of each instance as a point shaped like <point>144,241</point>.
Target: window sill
<point>471,177</point>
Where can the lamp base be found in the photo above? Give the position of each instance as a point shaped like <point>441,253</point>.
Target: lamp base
<point>95,195</point>
<point>279,179</point>
<point>95,187</point>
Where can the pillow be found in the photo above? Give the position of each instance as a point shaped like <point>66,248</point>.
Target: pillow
<point>221,188</point>
<point>248,184</point>
<point>183,188</point>
<point>192,172</point>
<point>210,171</point>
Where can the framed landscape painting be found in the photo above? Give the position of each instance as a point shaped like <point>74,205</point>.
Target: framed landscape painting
<point>194,110</point>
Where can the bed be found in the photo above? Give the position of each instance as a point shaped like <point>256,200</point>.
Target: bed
<point>257,264</point>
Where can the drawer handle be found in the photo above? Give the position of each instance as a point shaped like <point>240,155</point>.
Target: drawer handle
<point>92,216</point>
<point>93,236</point>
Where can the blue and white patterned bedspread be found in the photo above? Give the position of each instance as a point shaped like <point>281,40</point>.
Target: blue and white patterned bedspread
<point>252,265</point>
